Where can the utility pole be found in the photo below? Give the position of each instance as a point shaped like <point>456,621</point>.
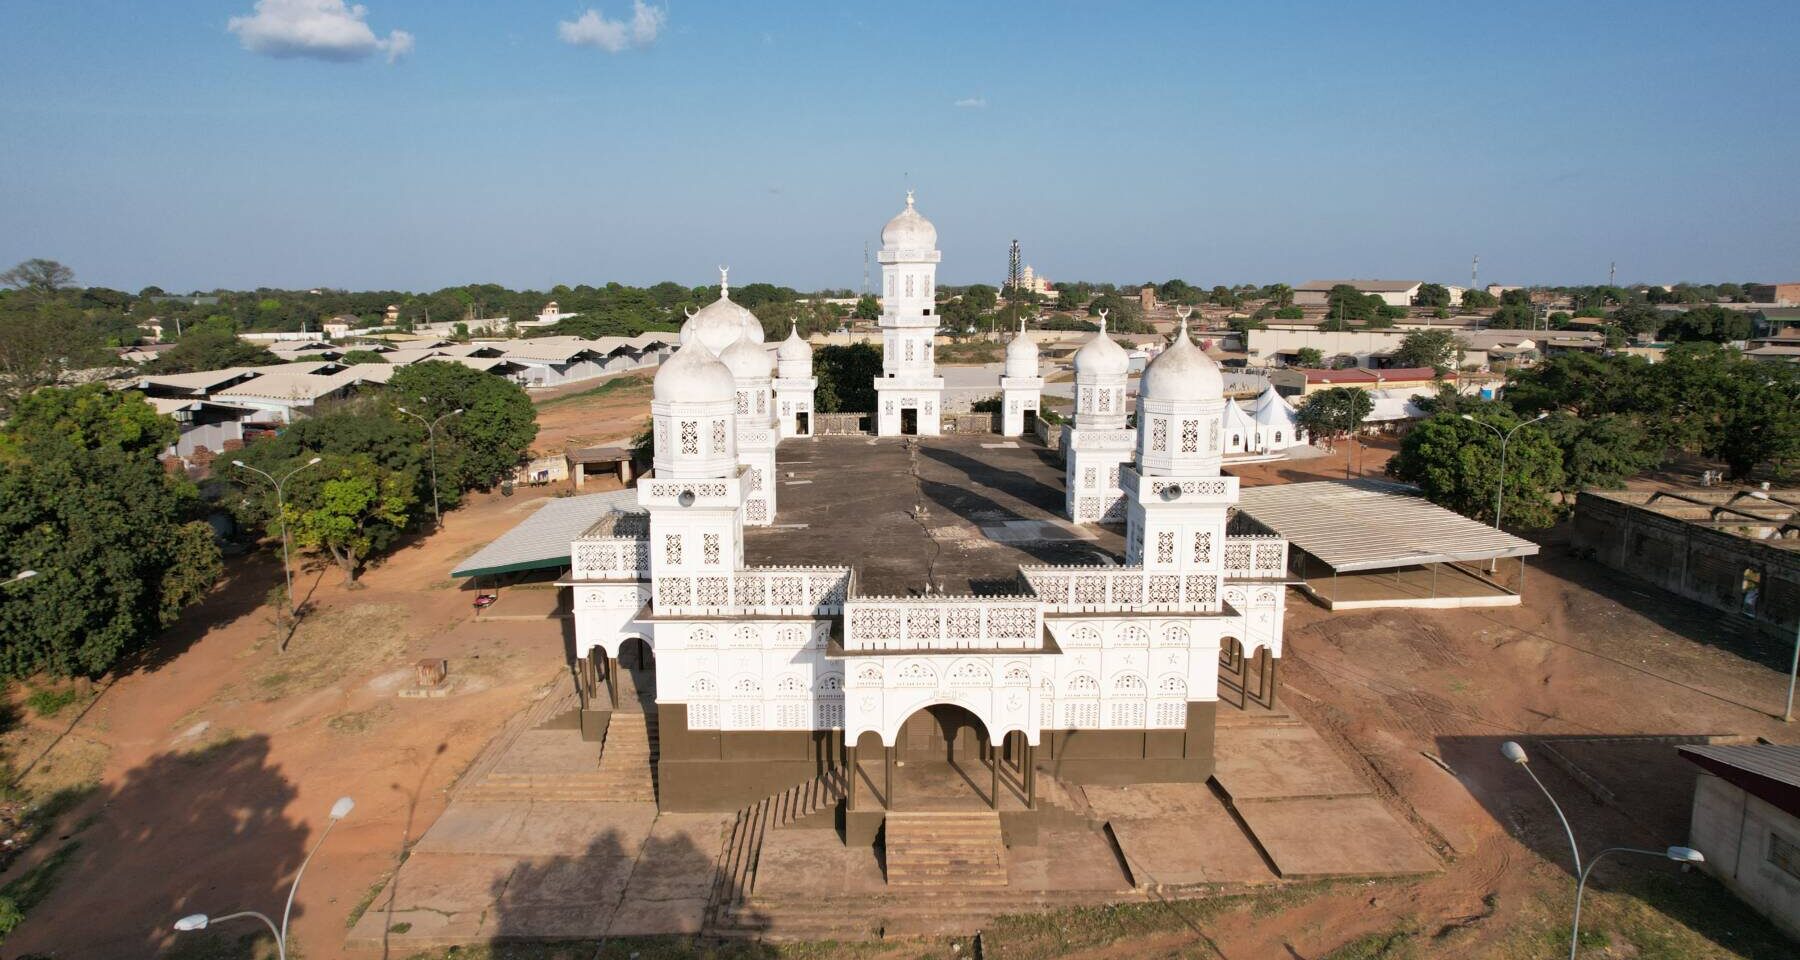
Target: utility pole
<point>865,286</point>
<point>1475,272</point>
<point>1612,274</point>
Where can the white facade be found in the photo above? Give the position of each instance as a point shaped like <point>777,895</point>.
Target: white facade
<point>795,386</point>
<point>1021,388</point>
<point>1097,445</point>
<point>747,648</point>
<point>909,393</point>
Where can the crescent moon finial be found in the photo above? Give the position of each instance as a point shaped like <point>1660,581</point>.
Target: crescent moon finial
<point>690,311</point>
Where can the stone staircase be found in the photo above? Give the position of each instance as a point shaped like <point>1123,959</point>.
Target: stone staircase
<point>627,771</point>
<point>742,849</point>
<point>960,849</point>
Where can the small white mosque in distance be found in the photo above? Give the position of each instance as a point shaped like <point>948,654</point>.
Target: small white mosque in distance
<point>767,678</point>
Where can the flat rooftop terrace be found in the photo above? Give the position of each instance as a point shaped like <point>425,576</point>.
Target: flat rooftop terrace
<point>962,512</point>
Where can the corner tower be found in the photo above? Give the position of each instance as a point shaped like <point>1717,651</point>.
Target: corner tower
<point>1021,389</point>
<point>1176,501</point>
<point>1098,443</point>
<point>696,498</point>
<point>909,393</point>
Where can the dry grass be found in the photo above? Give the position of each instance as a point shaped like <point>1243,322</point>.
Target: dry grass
<point>328,646</point>
<point>359,722</point>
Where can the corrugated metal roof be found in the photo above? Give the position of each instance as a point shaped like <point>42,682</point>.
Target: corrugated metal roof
<point>1777,762</point>
<point>1371,525</point>
<point>541,541</point>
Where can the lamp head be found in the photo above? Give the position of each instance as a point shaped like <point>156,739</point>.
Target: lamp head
<point>1467,417</point>
<point>238,463</point>
<point>456,411</point>
<point>1512,751</point>
<point>314,460</point>
<point>402,409</point>
<point>342,808</point>
<point>1540,416</point>
<point>24,575</point>
<point>191,922</point>
<point>1685,855</point>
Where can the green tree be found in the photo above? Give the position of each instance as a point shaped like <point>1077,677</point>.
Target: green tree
<point>116,540</point>
<point>1334,413</point>
<point>484,443</point>
<point>1308,357</point>
<point>1456,463</point>
<point>1637,318</point>
<point>357,510</point>
<point>1601,451</point>
<point>1280,295</point>
<point>1709,322</point>
<point>867,308</point>
<point>1432,295</point>
<point>42,340</point>
<point>1440,350</point>
<point>1478,299</point>
<point>208,349</point>
<point>982,297</point>
<point>1350,305</point>
<point>39,275</point>
<point>362,356</point>
<point>846,377</point>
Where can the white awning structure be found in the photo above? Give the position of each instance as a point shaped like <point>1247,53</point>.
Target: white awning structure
<point>1373,525</point>
<point>541,541</point>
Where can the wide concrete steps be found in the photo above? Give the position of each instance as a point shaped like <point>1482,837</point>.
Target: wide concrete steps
<point>742,850</point>
<point>906,912</point>
<point>945,849</point>
<point>627,771</point>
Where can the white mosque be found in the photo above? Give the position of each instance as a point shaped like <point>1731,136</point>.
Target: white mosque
<point>769,676</point>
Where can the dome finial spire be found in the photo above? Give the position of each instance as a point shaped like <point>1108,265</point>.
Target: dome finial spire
<point>1103,314</point>
<point>909,198</point>
<point>725,282</point>
<point>1184,313</point>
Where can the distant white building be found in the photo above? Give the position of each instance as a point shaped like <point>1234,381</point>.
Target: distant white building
<point>1394,293</point>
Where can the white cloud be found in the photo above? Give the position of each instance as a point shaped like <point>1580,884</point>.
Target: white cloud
<point>593,30</point>
<point>320,29</point>
<point>971,103</point>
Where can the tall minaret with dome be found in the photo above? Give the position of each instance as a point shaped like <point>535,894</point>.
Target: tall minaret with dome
<point>1098,444</point>
<point>909,393</point>
<point>1176,501</point>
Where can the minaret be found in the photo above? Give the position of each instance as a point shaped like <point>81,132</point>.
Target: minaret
<point>696,498</point>
<point>751,368</point>
<point>909,392</point>
<point>1021,389</point>
<point>794,385</point>
<point>1176,499</point>
<point>1097,444</point>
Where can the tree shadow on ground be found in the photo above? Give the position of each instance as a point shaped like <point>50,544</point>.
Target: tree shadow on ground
<point>596,900</point>
<point>1014,483</point>
<point>1652,789</point>
<point>204,831</point>
<point>243,592</point>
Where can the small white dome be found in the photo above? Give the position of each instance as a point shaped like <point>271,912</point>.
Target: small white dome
<point>794,348</point>
<point>1182,372</point>
<point>694,375</point>
<point>747,360</point>
<point>1101,357</point>
<point>1021,355</point>
<point>720,322</point>
<point>909,230</point>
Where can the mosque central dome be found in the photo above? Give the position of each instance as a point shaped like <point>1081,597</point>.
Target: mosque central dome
<point>721,322</point>
<point>1182,372</point>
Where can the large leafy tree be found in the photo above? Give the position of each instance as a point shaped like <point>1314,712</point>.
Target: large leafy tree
<point>481,445</point>
<point>1456,463</point>
<point>1440,350</point>
<point>1350,305</point>
<point>867,308</point>
<point>1602,450</point>
<point>1432,295</point>
<point>846,377</point>
<point>42,339</point>
<point>211,349</point>
<point>351,510</point>
<point>1336,412</point>
<point>38,274</point>
<point>116,541</point>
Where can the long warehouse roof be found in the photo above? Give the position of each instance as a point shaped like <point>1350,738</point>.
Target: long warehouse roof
<point>541,541</point>
<point>1373,525</point>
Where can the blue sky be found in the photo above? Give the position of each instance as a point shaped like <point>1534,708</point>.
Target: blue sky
<point>1244,142</point>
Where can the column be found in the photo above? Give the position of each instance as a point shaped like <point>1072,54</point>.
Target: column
<point>994,778</point>
<point>612,680</point>
<point>855,774</point>
<point>887,780</point>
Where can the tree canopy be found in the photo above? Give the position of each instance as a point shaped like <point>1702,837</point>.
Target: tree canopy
<point>1456,462</point>
<point>117,542</point>
<point>485,442</point>
<point>209,349</point>
<point>846,377</point>
<point>1441,350</point>
<point>1335,412</point>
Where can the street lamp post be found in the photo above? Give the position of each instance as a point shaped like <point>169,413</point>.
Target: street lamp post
<point>1512,751</point>
<point>1505,438</point>
<point>431,446</point>
<point>281,508</point>
<point>200,921</point>
<point>20,577</point>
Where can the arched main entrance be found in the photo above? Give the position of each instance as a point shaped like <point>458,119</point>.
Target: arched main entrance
<point>637,674</point>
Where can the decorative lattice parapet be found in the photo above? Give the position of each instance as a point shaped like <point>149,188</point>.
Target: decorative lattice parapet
<point>943,623</point>
<point>756,591</point>
<point>611,558</point>
<point>1130,589</point>
<point>1255,558</point>
<point>756,436</point>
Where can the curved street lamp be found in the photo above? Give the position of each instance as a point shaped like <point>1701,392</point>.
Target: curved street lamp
<point>200,921</point>
<point>1505,438</point>
<point>20,577</point>
<point>1512,751</point>
<point>281,510</point>
<point>431,446</point>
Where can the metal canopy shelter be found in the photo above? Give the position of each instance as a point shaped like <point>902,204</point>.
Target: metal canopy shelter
<point>541,541</point>
<point>1371,525</point>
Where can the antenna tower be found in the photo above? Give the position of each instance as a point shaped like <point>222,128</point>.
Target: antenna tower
<point>1612,274</point>
<point>1474,272</point>
<point>1013,279</point>
<point>865,286</point>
